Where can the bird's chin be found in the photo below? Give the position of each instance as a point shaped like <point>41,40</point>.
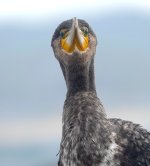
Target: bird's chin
<point>76,51</point>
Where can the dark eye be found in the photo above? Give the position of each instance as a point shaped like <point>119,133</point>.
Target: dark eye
<point>63,33</point>
<point>85,31</point>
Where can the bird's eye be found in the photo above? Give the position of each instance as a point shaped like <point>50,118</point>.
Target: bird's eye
<point>63,33</point>
<point>85,31</point>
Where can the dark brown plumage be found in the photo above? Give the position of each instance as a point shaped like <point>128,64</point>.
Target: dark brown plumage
<point>89,138</point>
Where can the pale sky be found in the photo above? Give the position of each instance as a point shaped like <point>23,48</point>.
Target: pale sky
<point>32,8</point>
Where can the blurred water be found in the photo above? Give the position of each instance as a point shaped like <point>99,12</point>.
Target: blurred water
<point>33,155</point>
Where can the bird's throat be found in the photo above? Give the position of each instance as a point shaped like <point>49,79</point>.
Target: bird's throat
<point>80,77</point>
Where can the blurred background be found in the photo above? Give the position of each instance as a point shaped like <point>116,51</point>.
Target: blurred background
<point>32,88</point>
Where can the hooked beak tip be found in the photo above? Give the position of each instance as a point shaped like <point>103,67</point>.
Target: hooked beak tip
<point>75,38</point>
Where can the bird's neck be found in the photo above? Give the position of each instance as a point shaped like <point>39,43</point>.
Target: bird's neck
<point>80,78</point>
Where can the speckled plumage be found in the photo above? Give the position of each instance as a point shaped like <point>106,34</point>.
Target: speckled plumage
<point>89,138</point>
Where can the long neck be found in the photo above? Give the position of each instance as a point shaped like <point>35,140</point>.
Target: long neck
<point>80,77</point>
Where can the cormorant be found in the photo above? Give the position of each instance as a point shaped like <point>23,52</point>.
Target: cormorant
<point>89,138</point>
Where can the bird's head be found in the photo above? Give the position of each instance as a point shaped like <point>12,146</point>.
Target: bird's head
<point>74,41</point>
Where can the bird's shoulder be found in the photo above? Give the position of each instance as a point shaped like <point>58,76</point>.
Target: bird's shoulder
<point>133,140</point>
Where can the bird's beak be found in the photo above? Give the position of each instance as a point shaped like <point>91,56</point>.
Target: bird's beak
<point>75,38</point>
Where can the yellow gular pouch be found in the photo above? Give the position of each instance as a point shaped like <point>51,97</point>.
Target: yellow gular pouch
<point>79,41</point>
<point>82,45</point>
<point>66,46</point>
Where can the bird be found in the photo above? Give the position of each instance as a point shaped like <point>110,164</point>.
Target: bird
<point>89,137</point>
